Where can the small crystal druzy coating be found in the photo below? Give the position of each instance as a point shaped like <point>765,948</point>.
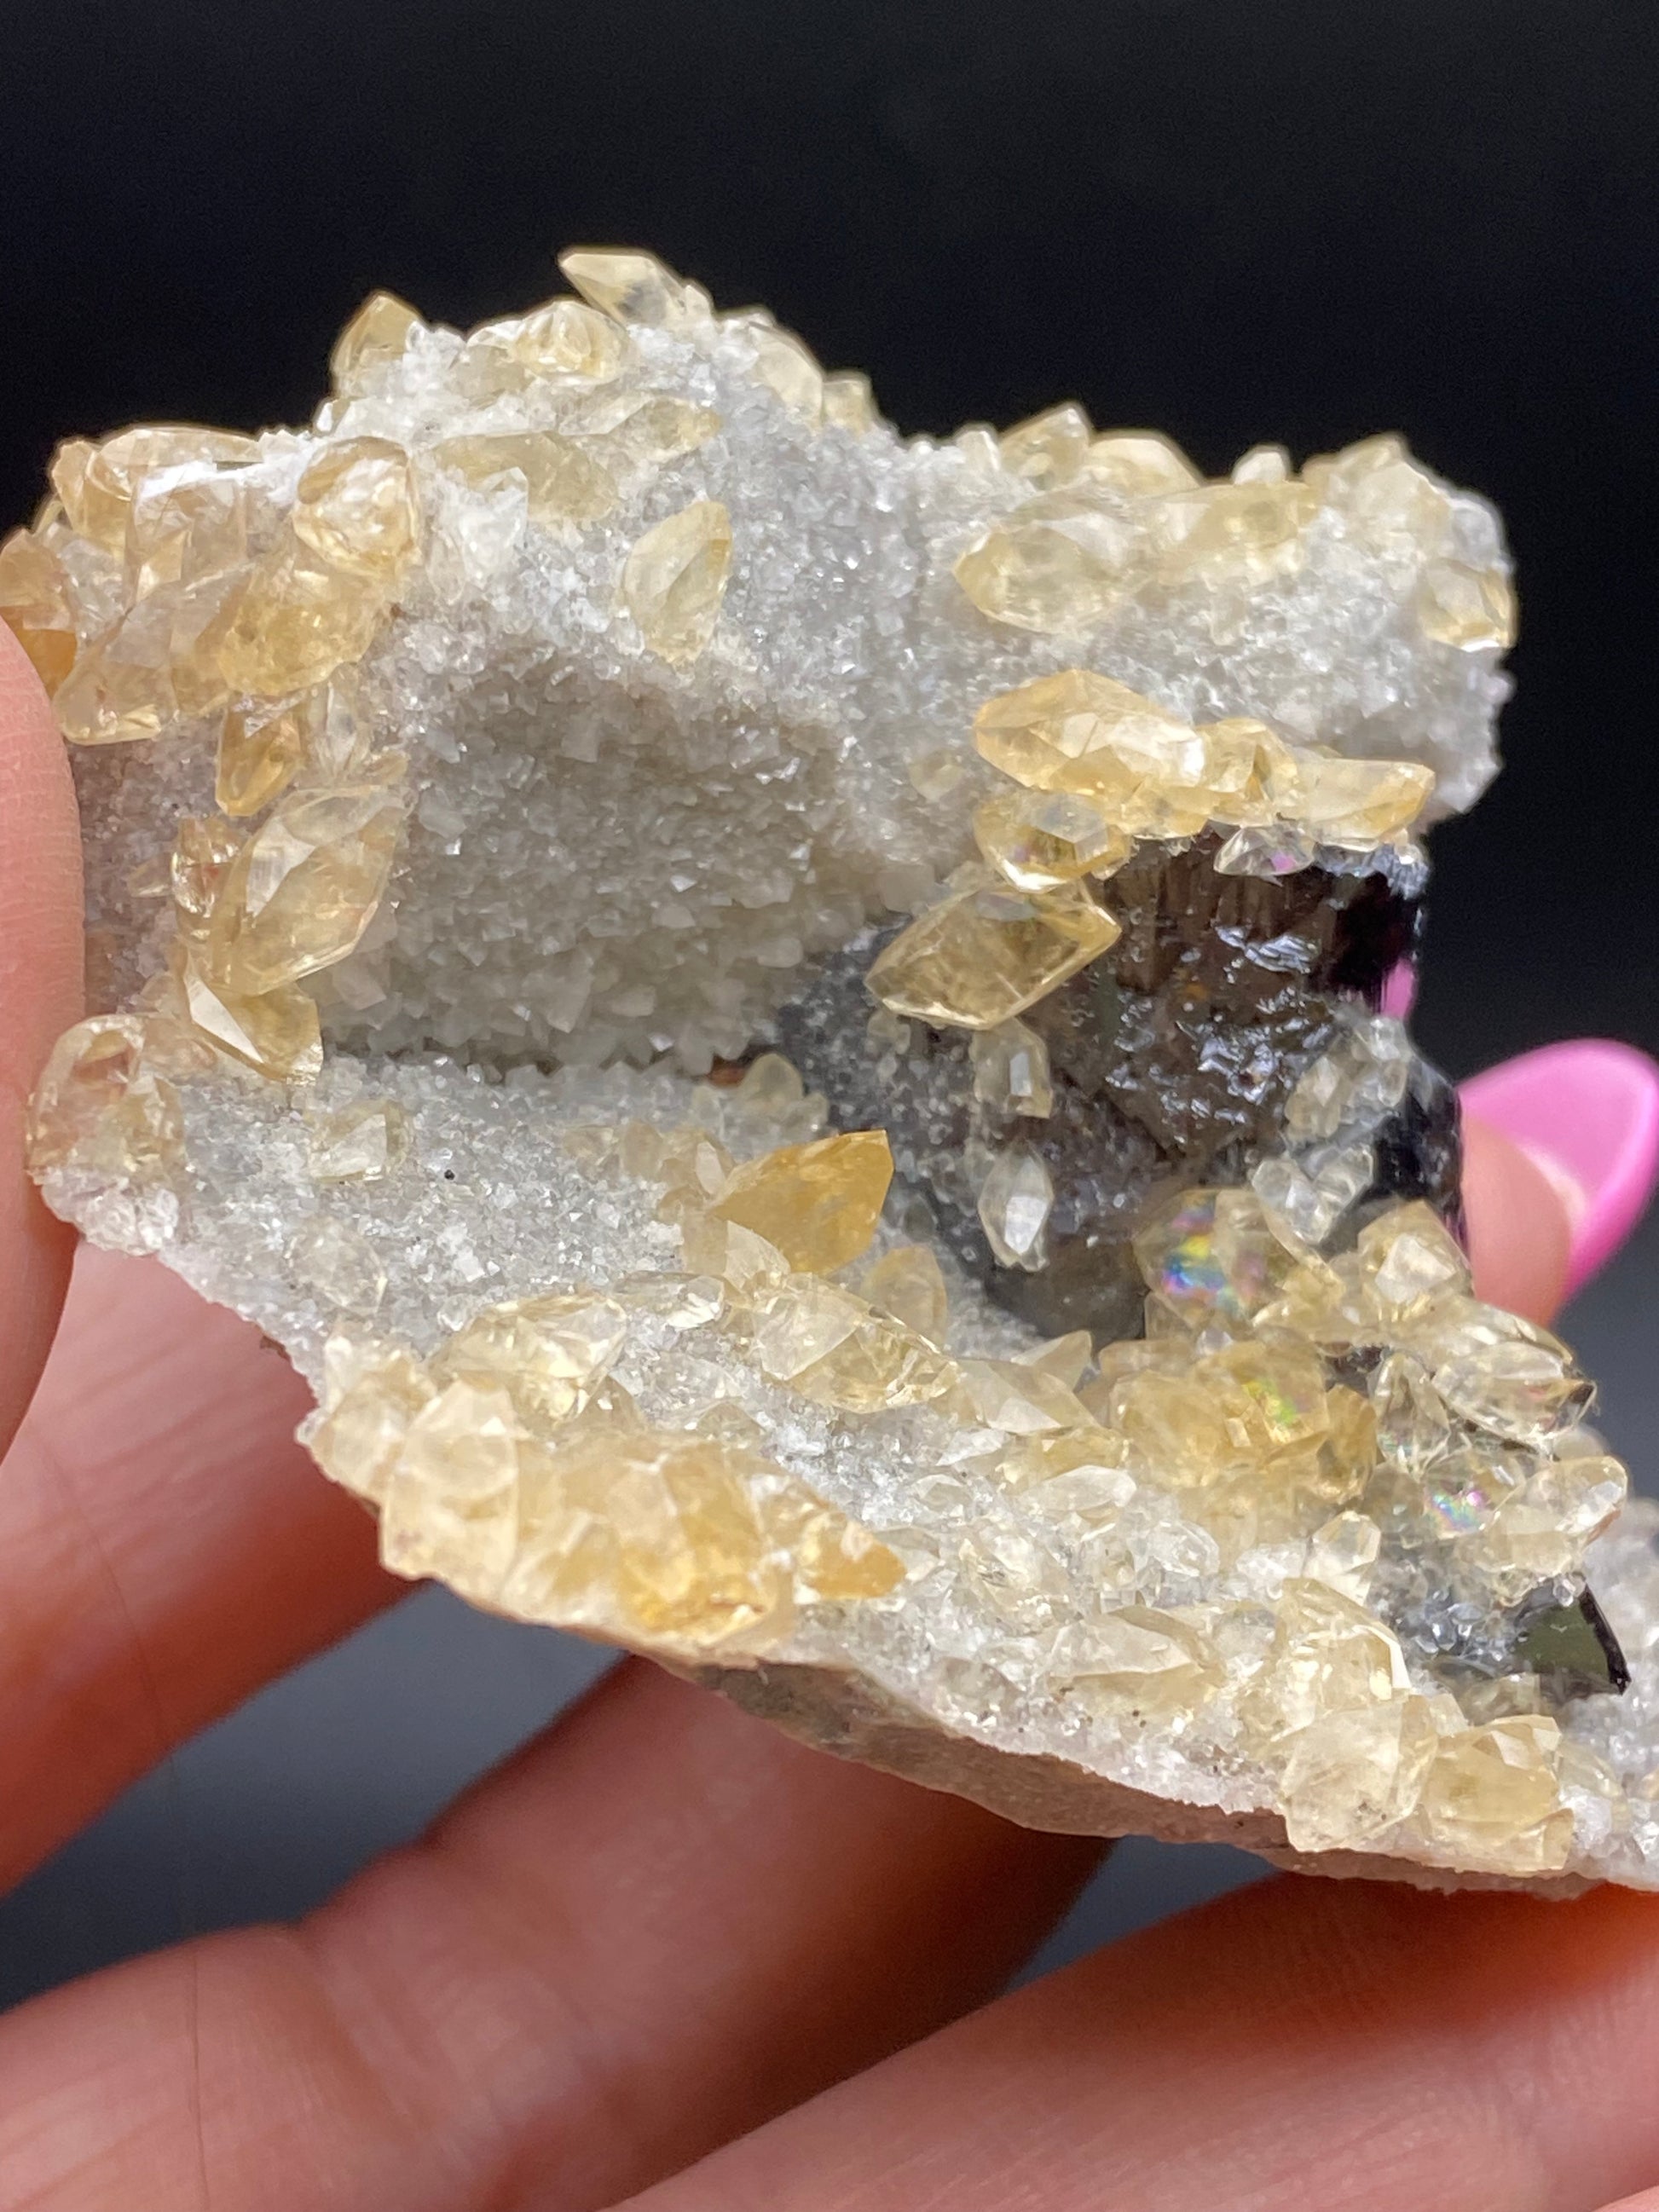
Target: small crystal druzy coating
<point>786,1026</point>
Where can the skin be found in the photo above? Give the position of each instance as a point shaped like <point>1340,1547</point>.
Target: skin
<point>664,1957</point>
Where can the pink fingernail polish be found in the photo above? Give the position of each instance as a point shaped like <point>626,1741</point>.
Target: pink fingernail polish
<point>1588,1114</point>
<point>1399,992</point>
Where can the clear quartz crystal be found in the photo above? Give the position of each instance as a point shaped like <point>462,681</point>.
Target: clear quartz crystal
<point>1015,1201</point>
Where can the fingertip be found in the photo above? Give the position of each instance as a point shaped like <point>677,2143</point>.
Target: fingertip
<point>1520,1238</point>
<point>1586,1112</point>
<point>41,981</point>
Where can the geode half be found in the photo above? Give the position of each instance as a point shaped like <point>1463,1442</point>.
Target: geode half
<point>792,1029</point>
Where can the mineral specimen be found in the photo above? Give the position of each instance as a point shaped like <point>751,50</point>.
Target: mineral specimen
<point>786,1024</point>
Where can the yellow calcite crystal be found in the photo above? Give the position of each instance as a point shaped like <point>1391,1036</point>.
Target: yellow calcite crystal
<point>1236,533</point>
<point>787,367</point>
<point>181,532</point>
<point>634,287</point>
<point>684,1538</point>
<point>568,338</point>
<point>683,1554</point>
<point>1329,1654</point>
<point>634,433</point>
<point>102,1107</point>
<point>204,848</point>
<point>563,483</point>
<point>849,404</point>
<point>1407,1257</point>
<point>832,1348</point>
<point>907,1285</point>
<point>1010,1070</point>
<point>358,1144</point>
<point>987,953</point>
<point>372,1394</point>
<point>1142,1662</point>
<point>1080,732</point>
<point>1212,1254</point>
<point>1413,1427</point>
<point>1472,609</point>
<point>261,749</point>
<point>1492,1800</point>
<point>546,1353</point>
<point>275,1032</point>
<point>1017,1398</point>
<point>1015,1201</point>
<point>1177,1427</point>
<point>1360,803</point>
<point>1138,463</point>
<point>1350,1776</point>
<point>1271,1395</point>
<point>357,508</point>
<point>97,484</point>
<point>1058,565</point>
<point>120,690</point>
<point>1041,839</point>
<point>378,333</point>
<point>451,1501</point>
<point>674,580</point>
<point>298,619</point>
<point>338,1263</point>
<point>817,1203</point>
<point>1048,449</point>
<point>735,1254</point>
<point>34,605</point>
<point>304,887</point>
<point>1132,770</point>
<point>1537,1531</point>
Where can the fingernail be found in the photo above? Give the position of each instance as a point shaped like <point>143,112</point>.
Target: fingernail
<point>1399,992</point>
<point>1587,1114</point>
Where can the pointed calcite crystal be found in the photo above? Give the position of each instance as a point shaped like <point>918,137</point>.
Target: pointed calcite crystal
<point>786,1026</point>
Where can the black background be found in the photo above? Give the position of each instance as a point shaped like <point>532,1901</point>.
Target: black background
<point>1271,219</point>
<point>1290,220</point>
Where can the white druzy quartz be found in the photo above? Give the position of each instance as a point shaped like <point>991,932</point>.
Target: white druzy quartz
<point>475,786</point>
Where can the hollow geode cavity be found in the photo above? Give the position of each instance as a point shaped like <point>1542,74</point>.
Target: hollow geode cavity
<point>789,1027</point>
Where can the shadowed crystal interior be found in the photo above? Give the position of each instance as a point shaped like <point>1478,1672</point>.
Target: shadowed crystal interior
<point>786,1024</point>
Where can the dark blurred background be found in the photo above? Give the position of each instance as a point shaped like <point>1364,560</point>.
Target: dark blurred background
<point>1236,219</point>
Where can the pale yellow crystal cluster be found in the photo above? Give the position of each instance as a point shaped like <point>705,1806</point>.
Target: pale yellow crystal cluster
<point>1343,1420</point>
<point>513,1465</point>
<point>1455,1441</point>
<point>1122,514</point>
<point>166,580</point>
<point>177,585</point>
<point>1096,769</point>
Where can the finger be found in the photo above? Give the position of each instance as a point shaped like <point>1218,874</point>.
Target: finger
<point>1356,2047</point>
<point>1519,1234</point>
<point>1586,1112</point>
<point>39,997</point>
<point>662,1925</point>
<point>165,1546</point>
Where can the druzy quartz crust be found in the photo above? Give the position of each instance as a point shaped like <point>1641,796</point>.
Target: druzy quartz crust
<point>788,1027</point>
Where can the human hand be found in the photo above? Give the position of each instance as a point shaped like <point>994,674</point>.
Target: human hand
<point>665,1957</point>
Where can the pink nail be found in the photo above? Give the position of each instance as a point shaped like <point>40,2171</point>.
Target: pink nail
<point>1588,1116</point>
<point>1399,992</point>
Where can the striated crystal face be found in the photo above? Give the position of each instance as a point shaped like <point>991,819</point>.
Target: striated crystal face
<point>786,1026</point>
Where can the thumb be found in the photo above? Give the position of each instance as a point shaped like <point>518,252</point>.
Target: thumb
<point>1561,1157</point>
<point>39,997</point>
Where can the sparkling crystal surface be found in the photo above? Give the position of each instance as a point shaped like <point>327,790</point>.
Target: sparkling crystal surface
<point>785,1025</point>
